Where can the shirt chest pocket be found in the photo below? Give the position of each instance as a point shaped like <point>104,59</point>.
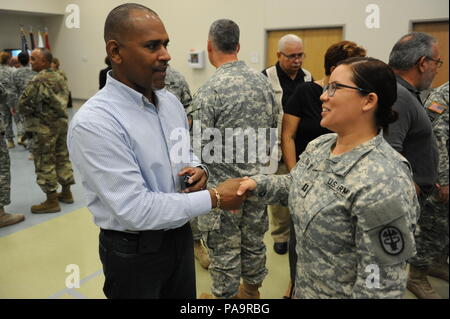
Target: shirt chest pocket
<point>310,199</point>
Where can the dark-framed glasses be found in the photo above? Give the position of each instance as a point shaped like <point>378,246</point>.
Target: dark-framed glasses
<point>439,62</point>
<point>330,88</point>
<point>294,55</point>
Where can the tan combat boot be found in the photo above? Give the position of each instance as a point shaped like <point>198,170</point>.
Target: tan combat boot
<point>66,195</point>
<point>439,268</point>
<point>248,291</point>
<point>201,254</point>
<point>51,205</point>
<point>10,143</point>
<point>418,284</point>
<point>9,219</point>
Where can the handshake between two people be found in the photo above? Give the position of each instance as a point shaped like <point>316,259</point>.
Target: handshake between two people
<point>228,195</point>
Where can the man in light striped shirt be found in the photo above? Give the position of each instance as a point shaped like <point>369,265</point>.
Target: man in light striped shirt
<point>122,141</point>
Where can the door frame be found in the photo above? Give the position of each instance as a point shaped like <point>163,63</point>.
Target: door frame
<point>411,22</point>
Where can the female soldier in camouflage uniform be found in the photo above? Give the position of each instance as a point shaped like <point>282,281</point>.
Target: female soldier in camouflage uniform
<point>351,195</point>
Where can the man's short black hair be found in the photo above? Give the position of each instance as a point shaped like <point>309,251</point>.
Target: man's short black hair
<point>117,20</point>
<point>24,58</point>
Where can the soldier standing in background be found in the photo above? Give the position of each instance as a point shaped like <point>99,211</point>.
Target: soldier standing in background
<point>284,77</point>
<point>432,233</point>
<point>55,66</point>
<point>20,79</point>
<point>236,97</point>
<point>415,59</point>
<point>5,175</point>
<point>5,110</point>
<point>44,106</point>
<point>176,84</point>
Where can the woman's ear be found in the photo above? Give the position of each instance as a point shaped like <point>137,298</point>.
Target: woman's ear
<point>371,102</point>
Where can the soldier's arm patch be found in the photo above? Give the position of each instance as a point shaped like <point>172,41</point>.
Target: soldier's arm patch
<point>386,232</point>
<point>437,108</point>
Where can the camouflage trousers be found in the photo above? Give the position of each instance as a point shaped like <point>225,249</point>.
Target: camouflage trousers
<point>236,250</point>
<point>7,120</point>
<point>196,233</point>
<point>5,174</point>
<point>432,233</point>
<point>51,158</point>
<point>18,118</point>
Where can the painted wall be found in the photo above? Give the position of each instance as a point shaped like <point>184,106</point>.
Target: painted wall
<point>82,51</point>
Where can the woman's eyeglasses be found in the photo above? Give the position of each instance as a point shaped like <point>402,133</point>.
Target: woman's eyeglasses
<point>331,88</point>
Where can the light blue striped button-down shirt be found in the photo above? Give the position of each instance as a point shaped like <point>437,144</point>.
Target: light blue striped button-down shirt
<point>122,144</point>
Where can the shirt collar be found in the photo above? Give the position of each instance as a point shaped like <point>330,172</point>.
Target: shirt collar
<point>342,164</point>
<point>127,92</point>
<point>300,74</point>
<point>230,64</point>
<point>408,86</point>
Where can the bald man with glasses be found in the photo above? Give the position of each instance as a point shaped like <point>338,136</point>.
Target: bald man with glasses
<point>285,76</point>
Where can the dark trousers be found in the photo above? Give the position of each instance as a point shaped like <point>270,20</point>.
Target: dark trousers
<point>151,264</point>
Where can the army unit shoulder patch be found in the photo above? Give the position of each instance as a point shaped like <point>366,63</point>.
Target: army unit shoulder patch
<point>391,240</point>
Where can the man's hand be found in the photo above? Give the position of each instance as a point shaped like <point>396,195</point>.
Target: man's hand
<point>229,200</point>
<point>197,179</point>
<point>13,111</point>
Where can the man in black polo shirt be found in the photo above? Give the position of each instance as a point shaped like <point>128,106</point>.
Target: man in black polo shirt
<point>415,59</point>
<point>284,77</point>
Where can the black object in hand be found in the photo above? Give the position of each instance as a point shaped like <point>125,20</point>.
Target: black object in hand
<point>186,181</point>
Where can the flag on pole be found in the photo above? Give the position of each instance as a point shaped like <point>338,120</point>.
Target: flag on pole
<point>32,43</point>
<point>47,43</point>
<point>23,39</point>
<point>40,40</point>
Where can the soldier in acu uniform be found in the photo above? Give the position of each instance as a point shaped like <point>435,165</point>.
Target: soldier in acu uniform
<point>5,175</point>
<point>20,79</point>
<point>5,111</point>
<point>351,195</point>
<point>236,97</point>
<point>432,233</point>
<point>44,106</point>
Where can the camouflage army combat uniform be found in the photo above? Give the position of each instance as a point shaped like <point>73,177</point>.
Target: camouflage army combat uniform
<point>20,79</point>
<point>432,235</point>
<point>235,97</point>
<point>354,216</point>
<point>5,109</point>
<point>44,106</point>
<point>5,175</point>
